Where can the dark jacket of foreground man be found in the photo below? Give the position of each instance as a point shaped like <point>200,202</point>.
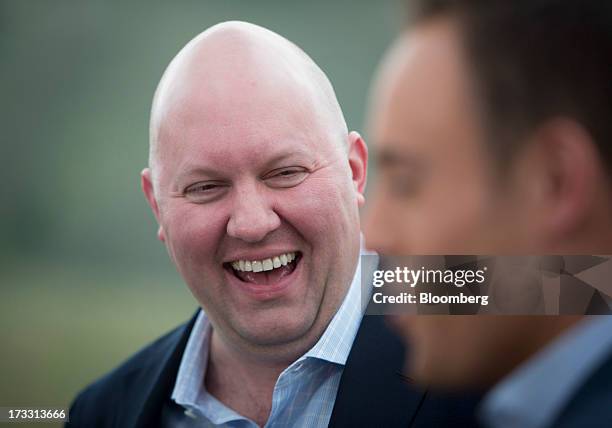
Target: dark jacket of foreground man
<point>372,392</point>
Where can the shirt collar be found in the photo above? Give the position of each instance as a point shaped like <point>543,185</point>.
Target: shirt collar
<point>337,339</point>
<point>190,377</point>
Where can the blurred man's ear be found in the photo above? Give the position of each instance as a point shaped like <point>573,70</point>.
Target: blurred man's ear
<point>567,178</point>
<point>146,183</point>
<point>358,162</point>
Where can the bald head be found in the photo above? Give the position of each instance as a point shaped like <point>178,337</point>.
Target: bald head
<point>231,74</point>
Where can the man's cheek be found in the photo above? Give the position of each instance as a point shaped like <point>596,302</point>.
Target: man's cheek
<point>197,231</point>
<point>304,214</point>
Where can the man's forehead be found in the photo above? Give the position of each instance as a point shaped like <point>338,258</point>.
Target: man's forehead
<point>423,88</point>
<point>254,125</point>
<point>430,53</point>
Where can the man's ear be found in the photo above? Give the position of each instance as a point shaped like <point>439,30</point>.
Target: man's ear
<point>146,182</point>
<point>568,178</point>
<point>358,162</point>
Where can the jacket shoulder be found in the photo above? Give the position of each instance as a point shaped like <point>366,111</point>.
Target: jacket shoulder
<point>106,401</point>
<point>590,405</point>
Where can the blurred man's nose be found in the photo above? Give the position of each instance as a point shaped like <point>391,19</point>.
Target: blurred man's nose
<point>377,228</point>
<point>252,216</point>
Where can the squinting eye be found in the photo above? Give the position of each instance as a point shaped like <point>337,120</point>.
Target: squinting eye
<point>200,188</point>
<point>204,191</point>
<point>286,177</point>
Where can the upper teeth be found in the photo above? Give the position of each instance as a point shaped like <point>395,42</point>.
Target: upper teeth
<point>265,264</point>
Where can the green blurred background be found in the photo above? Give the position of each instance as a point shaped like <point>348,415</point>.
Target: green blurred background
<point>83,280</point>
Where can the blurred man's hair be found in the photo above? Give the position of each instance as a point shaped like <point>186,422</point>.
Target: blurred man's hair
<point>532,60</point>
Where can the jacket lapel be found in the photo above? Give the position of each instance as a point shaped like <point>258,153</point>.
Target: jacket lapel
<point>372,391</point>
<point>154,383</point>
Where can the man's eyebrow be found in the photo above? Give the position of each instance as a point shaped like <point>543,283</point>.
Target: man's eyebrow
<point>196,170</point>
<point>388,157</point>
<point>289,155</point>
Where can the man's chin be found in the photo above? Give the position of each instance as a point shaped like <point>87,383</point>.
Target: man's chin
<point>276,332</point>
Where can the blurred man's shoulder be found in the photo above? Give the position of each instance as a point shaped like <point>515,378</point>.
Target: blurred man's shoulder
<point>117,396</point>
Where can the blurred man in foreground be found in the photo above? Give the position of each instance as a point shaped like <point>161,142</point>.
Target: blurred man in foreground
<point>491,121</point>
<point>256,182</point>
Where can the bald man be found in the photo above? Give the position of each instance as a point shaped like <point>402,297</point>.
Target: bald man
<point>256,184</point>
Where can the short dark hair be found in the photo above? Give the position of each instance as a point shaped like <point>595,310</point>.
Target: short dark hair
<point>533,60</point>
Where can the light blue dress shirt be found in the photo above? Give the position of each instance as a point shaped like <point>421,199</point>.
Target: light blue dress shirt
<point>534,395</point>
<point>304,393</point>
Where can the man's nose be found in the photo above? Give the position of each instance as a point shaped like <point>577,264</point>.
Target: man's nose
<point>252,217</point>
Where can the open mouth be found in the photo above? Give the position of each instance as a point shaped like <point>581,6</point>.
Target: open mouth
<point>266,271</point>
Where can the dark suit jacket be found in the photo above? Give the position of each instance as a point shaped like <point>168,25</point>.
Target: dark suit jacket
<point>591,406</point>
<point>372,392</point>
